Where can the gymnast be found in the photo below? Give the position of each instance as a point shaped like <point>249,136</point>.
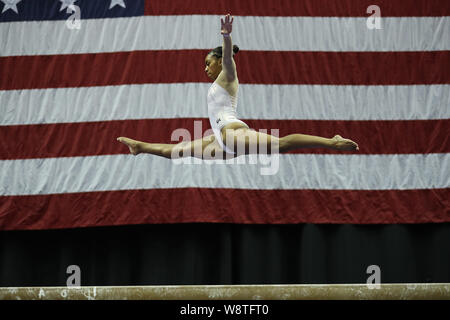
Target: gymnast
<point>231,137</point>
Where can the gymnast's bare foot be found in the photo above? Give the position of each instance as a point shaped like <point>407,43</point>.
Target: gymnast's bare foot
<point>133,145</point>
<point>340,143</point>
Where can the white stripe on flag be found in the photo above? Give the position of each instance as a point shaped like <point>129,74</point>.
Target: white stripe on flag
<point>202,32</point>
<point>188,100</point>
<point>296,171</point>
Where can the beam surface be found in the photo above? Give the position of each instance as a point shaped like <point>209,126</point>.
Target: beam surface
<point>410,291</point>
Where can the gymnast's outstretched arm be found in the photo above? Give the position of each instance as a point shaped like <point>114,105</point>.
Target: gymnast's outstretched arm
<point>228,64</point>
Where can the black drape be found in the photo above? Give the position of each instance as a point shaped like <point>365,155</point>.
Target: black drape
<point>180,254</point>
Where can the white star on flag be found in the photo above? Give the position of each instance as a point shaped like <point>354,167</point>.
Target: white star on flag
<point>11,4</point>
<point>117,2</point>
<point>66,4</point>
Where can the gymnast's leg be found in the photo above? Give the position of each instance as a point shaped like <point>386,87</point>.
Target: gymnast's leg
<point>204,148</point>
<point>297,141</point>
<point>247,141</point>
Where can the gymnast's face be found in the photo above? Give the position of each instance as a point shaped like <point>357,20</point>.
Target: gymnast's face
<point>213,66</point>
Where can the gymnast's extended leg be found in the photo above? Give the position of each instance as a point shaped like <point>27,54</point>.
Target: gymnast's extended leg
<point>251,141</point>
<point>204,148</point>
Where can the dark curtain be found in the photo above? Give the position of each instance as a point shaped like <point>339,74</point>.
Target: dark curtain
<point>184,254</point>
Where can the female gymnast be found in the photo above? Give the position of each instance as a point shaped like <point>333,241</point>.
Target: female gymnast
<point>232,137</point>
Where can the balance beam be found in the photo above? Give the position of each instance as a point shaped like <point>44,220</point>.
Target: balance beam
<point>409,291</point>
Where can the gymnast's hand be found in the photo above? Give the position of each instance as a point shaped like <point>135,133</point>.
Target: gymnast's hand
<point>227,24</point>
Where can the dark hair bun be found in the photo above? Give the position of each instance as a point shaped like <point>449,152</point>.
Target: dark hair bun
<point>217,52</point>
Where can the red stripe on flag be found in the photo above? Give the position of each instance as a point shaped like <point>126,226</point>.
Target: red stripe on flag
<point>283,67</point>
<point>99,138</point>
<point>242,206</point>
<point>314,8</point>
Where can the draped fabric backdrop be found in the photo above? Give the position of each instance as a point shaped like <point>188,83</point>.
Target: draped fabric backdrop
<point>136,69</point>
<point>70,194</point>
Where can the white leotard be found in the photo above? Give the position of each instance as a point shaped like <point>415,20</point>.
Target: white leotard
<point>221,111</point>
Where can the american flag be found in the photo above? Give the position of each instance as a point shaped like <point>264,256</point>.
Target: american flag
<point>76,74</point>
